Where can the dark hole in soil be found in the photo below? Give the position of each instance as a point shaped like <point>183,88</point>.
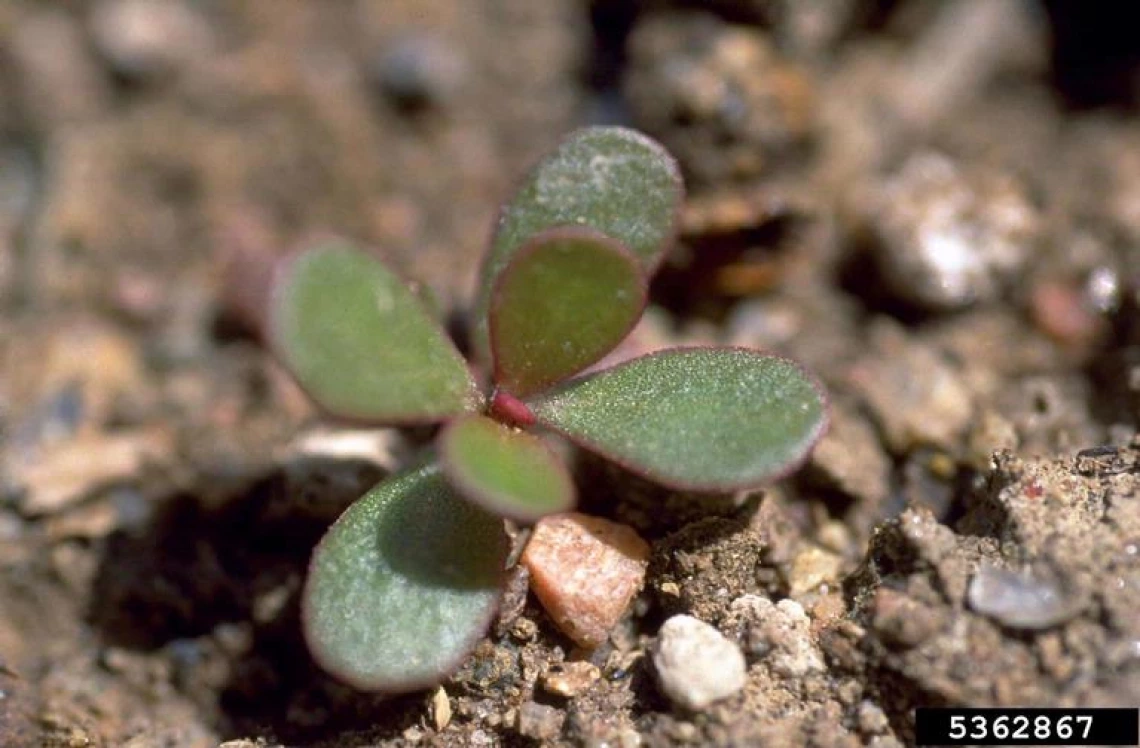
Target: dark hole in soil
<point>611,22</point>
<point>859,276</point>
<point>228,326</point>
<point>608,490</point>
<point>1096,52</point>
<point>898,698</point>
<point>696,287</point>
<point>1114,396</point>
<point>196,570</point>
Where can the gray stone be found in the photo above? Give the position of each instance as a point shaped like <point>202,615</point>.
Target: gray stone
<point>947,239</point>
<point>1021,601</point>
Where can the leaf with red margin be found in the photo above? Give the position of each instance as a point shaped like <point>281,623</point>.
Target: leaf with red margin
<point>404,584</point>
<point>504,470</point>
<point>612,179</point>
<point>702,419</point>
<point>564,301</point>
<point>360,342</point>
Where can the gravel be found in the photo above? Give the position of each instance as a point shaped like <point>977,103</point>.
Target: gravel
<point>1021,601</point>
<point>696,665</point>
<point>948,239</point>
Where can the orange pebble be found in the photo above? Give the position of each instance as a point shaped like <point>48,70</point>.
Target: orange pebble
<point>585,571</point>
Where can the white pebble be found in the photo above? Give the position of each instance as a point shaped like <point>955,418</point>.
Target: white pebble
<point>778,633</point>
<point>1021,601</point>
<point>696,665</point>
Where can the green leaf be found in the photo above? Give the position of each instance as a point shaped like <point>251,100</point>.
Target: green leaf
<point>564,301</point>
<point>361,343</point>
<point>505,470</point>
<point>704,419</point>
<point>612,179</point>
<point>404,584</point>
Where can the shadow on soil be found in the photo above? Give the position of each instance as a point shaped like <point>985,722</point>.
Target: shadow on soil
<point>214,589</point>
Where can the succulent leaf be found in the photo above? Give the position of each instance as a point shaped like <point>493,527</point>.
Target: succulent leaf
<point>360,342</point>
<point>704,419</point>
<point>404,584</point>
<point>507,471</point>
<point>564,301</point>
<point>612,179</point>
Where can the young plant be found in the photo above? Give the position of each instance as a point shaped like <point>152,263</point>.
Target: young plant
<point>408,579</point>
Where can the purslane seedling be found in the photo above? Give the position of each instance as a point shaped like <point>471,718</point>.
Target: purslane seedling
<point>408,579</point>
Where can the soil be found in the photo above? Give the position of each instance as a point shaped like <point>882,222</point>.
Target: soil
<point>934,206</point>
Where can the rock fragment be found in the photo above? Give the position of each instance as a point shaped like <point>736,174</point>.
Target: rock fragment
<point>147,39</point>
<point>539,721</point>
<point>440,709</point>
<point>947,239</point>
<point>420,70</point>
<point>73,471</point>
<point>585,570</point>
<point>1021,601</point>
<point>779,634</point>
<point>1067,313</point>
<point>914,393</point>
<point>812,569</point>
<point>850,458</point>
<point>742,103</point>
<point>571,679</point>
<point>696,665</point>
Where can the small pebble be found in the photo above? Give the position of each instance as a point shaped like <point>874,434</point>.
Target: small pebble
<point>1020,601</point>
<point>778,633</point>
<point>90,521</point>
<point>58,75</point>
<point>571,679</point>
<point>812,568</point>
<point>148,38</point>
<point>539,721</point>
<point>12,527</point>
<point>989,433</point>
<point>585,570</point>
<point>947,239</point>
<point>420,70</point>
<point>742,102</point>
<point>73,471</point>
<point>872,720</point>
<point>70,378</point>
<point>835,536</point>
<point>851,458</point>
<point>1103,289</point>
<point>913,391</point>
<point>381,447</point>
<point>903,622</point>
<point>524,629</point>
<point>696,665</point>
<point>1064,312</point>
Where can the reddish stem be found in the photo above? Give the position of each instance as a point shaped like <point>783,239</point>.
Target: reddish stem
<point>506,408</point>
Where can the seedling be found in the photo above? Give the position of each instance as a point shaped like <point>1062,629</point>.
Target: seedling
<point>407,580</point>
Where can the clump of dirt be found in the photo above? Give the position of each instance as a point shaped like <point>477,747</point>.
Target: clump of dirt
<point>941,627</point>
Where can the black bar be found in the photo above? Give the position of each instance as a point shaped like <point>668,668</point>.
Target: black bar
<point>1027,726</point>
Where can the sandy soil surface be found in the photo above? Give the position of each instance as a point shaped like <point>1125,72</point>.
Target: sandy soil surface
<point>934,206</point>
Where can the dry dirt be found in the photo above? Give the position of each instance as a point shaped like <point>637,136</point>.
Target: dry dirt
<point>935,206</point>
